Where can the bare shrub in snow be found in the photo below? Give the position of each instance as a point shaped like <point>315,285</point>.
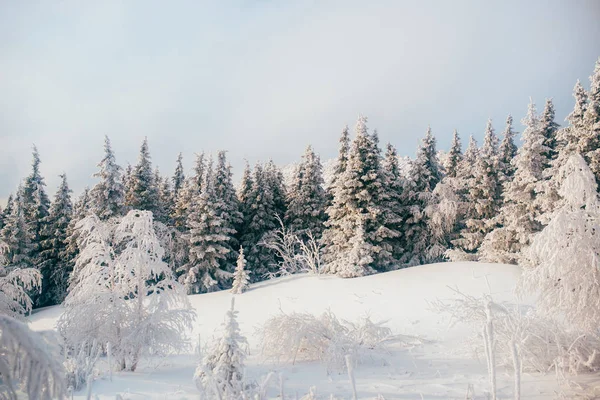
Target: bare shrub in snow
<point>519,338</point>
<point>296,255</point>
<point>303,336</point>
<point>29,362</point>
<point>80,365</point>
<point>123,292</point>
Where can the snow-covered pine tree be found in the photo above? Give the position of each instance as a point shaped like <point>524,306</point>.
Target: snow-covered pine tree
<point>589,140</point>
<point>55,266</point>
<point>331,240</point>
<point>307,198</point>
<point>127,182</point>
<point>392,205</point>
<point>275,180</point>
<point>240,276</point>
<point>81,208</point>
<point>221,372</point>
<point>35,205</point>
<point>360,197</point>
<point>518,217</point>
<point>454,156</point>
<point>507,151</point>
<point>446,208</point>
<point>462,183</point>
<point>7,210</point>
<point>260,219</point>
<point>360,257</point>
<point>108,195</point>
<point>483,196</point>
<point>123,293</point>
<point>143,191</point>
<point>549,129</point>
<point>178,178</point>
<point>207,268</point>
<point>178,185</point>
<point>563,261</point>
<point>424,176</point>
<point>229,206</point>
<point>167,205</point>
<point>16,236</point>
<point>341,161</point>
<point>191,189</point>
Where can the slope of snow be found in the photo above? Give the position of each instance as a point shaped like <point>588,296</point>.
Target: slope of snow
<point>442,368</point>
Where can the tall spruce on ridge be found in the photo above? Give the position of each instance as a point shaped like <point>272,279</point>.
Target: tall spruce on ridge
<point>454,156</point>
<point>143,191</point>
<point>108,195</point>
<point>518,217</point>
<point>424,176</point>
<point>229,206</point>
<point>549,129</point>
<point>81,209</point>
<point>185,197</point>
<point>393,206</point>
<point>507,150</point>
<point>260,219</point>
<point>15,234</point>
<point>209,236</point>
<point>54,265</point>
<point>307,198</point>
<point>178,185</point>
<point>275,181</point>
<point>358,210</point>
<point>589,142</point>
<point>35,206</point>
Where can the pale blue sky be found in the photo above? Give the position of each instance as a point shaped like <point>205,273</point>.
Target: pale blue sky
<point>263,79</point>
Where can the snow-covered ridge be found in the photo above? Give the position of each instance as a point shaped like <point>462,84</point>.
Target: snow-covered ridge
<point>441,368</point>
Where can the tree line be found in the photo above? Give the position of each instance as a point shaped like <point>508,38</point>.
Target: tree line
<point>374,215</point>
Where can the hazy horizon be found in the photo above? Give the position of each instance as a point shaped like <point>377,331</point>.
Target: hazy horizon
<point>264,80</point>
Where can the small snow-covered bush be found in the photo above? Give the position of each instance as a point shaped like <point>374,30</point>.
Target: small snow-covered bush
<point>14,286</point>
<point>220,374</point>
<point>303,336</point>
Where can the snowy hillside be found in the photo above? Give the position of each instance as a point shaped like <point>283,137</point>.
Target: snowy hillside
<point>442,367</point>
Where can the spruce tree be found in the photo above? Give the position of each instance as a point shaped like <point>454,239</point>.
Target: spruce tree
<point>549,129</point>
<point>454,156</point>
<point>424,176</point>
<point>229,206</point>
<point>260,219</point>
<point>15,235</point>
<point>209,238</point>
<point>519,216</point>
<point>143,191</point>
<point>307,198</point>
<point>359,198</point>
<point>274,178</point>
<point>162,210</point>
<point>507,151</point>
<point>185,197</point>
<point>54,265</point>
<point>178,185</point>
<point>81,209</point>
<point>108,195</point>
<point>342,160</point>
<point>240,276</point>
<point>393,206</point>
<point>35,205</point>
<point>589,142</point>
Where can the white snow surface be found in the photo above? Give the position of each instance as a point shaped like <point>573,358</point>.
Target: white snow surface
<point>441,368</point>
